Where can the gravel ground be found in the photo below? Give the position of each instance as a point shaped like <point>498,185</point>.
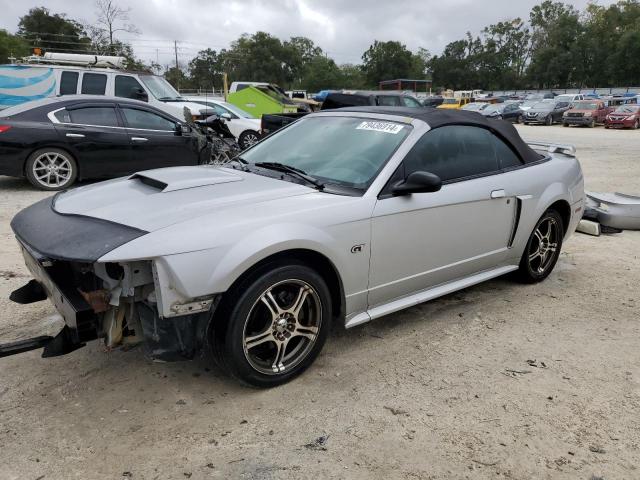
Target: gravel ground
<point>496,381</point>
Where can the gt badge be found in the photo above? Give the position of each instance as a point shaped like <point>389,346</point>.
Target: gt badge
<point>357,248</point>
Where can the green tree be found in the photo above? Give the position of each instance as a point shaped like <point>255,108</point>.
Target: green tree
<point>389,60</point>
<point>53,32</point>
<point>556,30</point>
<point>12,46</point>
<point>176,77</point>
<point>351,77</point>
<point>321,73</point>
<point>205,70</point>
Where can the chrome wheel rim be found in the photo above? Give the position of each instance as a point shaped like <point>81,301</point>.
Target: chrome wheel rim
<point>282,327</point>
<point>250,139</point>
<point>52,169</point>
<point>544,244</point>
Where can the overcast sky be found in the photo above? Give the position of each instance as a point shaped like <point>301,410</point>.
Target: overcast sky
<point>343,28</point>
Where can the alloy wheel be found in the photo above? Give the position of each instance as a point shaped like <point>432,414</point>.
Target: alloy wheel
<point>249,140</point>
<point>544,245</point>
<point>52,169</point>
<point>282,327</point>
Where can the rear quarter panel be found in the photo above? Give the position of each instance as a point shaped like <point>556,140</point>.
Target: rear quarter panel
<point>22,139</point>
<point>539,186</point>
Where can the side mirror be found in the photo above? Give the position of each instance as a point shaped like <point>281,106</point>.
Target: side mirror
<point>181,128</point>
<point>140,94</point>
<point>226,116</point>
<point>417,182</point>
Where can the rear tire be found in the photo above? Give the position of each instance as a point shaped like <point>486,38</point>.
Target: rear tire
<point>260,337</point>
<point>51,169</point>
<point>543,248</point>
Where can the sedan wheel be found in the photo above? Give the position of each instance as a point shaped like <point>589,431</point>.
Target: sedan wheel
<point>270,328</point>
<point>543,248</point>
<point>51,169</point>
<point>248,139</point>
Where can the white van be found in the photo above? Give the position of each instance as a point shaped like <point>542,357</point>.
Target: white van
<point>57,74</point>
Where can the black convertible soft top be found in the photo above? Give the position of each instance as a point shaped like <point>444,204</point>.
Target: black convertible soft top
<point>438,117</point>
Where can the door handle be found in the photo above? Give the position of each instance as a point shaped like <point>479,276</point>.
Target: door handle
<point>75,135</point>
<point>139,139</point>
<point>498,194</point>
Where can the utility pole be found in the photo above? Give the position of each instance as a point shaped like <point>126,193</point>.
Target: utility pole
<point>175,48</point>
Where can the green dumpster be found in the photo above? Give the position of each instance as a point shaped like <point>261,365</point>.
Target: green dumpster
<point>261,99</point>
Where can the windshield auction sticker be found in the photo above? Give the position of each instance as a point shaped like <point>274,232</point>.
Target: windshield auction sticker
<point>386,127</point>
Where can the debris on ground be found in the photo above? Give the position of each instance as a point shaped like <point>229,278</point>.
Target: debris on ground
<point>396,411</point>
<point>318,444</point>
<point>597,449</point>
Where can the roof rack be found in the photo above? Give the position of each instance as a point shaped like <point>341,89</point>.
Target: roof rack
<point>54,58</point>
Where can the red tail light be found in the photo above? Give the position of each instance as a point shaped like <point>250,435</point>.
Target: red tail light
<point>4,128</point>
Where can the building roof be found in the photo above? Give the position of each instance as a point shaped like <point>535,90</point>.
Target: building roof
<point>436,117</point>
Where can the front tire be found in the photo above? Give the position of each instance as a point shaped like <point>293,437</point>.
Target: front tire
<point>51,169</point>
<point>248,138</point>
<point>548,121</point>
<point>272,326</point>
<point>543,248</point>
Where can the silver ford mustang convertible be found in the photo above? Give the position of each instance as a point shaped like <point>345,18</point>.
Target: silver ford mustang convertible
<point>340,218</point>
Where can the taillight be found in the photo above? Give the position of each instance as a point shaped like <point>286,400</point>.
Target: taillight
<point>4,128</point>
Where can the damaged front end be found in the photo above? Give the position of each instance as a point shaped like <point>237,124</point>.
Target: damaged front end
<point>118,302</point>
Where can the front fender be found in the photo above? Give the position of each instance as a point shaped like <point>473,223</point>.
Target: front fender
<point>214,270</point>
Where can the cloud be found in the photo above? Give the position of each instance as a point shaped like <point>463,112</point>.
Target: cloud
<point>344,29</point>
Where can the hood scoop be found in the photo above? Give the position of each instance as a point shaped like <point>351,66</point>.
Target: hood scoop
<point>180,178</point>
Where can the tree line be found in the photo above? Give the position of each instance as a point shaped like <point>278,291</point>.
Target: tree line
<point>558,46</point>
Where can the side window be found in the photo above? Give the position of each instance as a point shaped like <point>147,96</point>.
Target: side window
<point>69,83</point>
<point>94,83</point>
<point>146,120</point>
<point>389,101</point>
<point>102,116</point>
<point>507,158</point>
<point>127,87</point>
<point>63,116</point>
<point>453,152</point>
<point>410,102</point>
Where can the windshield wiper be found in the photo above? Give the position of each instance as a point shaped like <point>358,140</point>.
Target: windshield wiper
<point>296,172</point>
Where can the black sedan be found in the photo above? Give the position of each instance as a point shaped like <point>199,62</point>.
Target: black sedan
<point>54,142</point>
<point>506,111</point>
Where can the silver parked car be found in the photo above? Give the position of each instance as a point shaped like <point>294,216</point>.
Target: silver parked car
<point>340,218</point>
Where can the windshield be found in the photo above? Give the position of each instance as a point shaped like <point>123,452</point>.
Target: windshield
<point>160,88</point>
<point>543,106</point>
<point>239,112</point>
<point>341,150</point>
<point>534,96</point>
<point>475,107</point>
<point>493,108</point>
<point>585,106</point>
<point>628,109</point>
<point>223,106</point>
<point>451,101</point>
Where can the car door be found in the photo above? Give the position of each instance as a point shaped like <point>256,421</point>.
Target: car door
<point>511,112</point>
<point>156,141</point>
<point>96,137</point>
<point>426,239</point>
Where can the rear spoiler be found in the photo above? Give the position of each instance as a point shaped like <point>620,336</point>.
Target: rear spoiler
<point>569,150</point>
